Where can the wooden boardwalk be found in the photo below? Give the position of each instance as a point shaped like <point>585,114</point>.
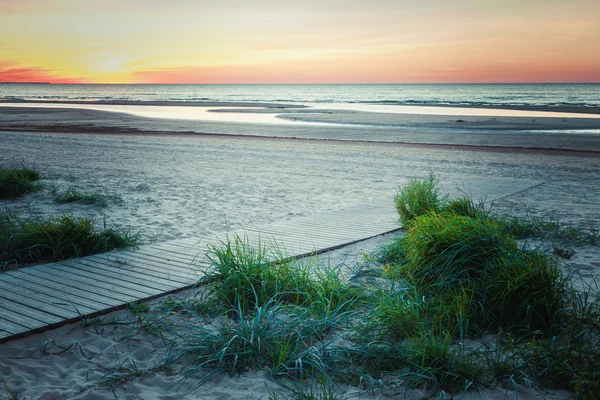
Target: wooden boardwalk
<point>45,296</point>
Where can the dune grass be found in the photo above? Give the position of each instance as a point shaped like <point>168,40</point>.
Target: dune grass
<point>421,197</point>
<point>504,316</point>
<point>467,278</point>
<point>18,182</point>
<point>246,277</point>
<point>458,306</point>
<point>32,240</point>
<point>418,197</point>
<point>75,196</point>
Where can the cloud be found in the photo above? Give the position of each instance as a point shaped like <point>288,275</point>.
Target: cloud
<point>11,73</point>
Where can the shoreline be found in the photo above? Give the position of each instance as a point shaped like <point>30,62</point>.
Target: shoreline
<point>87,130</point>
<point>288,105</point>
<point>407,129</point>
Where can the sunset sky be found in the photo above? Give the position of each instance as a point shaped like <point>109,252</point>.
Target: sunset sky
<point>299,41</point>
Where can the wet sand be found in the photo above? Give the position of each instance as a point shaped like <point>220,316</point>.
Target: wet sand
<point>456,130</point>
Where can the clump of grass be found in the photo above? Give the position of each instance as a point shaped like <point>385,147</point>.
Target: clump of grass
<point>75,196</point>
<point>392,252</point>
<point>447,249</point>
<point>420,197</point>
<point>466,207</point>
<point>417,198</point>
<point>450,258</point>
<point>18,182</point>
<point>287,344</point>
<point>525,289</point>
<point>247,277</point>
<point>31,240</point>
<point>458,273</point>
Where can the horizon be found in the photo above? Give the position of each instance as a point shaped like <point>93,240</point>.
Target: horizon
<point>313,42</point>
<point>307,84</point>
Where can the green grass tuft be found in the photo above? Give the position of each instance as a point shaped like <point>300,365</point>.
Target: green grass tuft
<point>246,277</point>
<point>32,240</point>
<point>18,182</point>
<point>417,198</point>
<point>466,207</point>
<point>445,249</point>
<point>288,343</point>
<point>74,196</point>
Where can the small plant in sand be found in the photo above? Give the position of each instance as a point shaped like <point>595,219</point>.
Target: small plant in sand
<point>18,182</point>
<point>418,197</point>
<point>30,240</point>
<point>75,196</point>
<point>246,277</point>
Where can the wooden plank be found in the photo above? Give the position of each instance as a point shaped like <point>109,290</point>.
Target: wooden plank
<point>351,223</point>
<point>179,250</point>
<point>363,234</point>
<point>122,278</point>
<point>339,232</point>
<point>12,327</point>
<point>199,246</point>
<point>37,303</point>
<point>273,242</point>
<point>301,234</point>
<point>43,295</point>
<point>161,253</point>
<point>70,292</point>
<point>138,268</point>
<point>94,276</point>
<point>293,230</point>
<point>304,238</point>
<point>77,282</point>
<point>138,258</point>
<point>20,317</point>
<point>30,312</point>
<point>354,224</point>
<point>144,262</point>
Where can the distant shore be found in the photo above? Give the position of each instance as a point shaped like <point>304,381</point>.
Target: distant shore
<point>560,108</point>
<point>549,133</point>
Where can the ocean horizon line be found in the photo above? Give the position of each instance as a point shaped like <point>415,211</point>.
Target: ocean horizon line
<point>301,84</point>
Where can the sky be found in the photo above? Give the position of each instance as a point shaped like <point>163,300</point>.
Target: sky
<point>299,41</point>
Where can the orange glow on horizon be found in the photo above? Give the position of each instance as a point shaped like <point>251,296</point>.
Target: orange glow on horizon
<point>31,75</point>
<point>314,41</point>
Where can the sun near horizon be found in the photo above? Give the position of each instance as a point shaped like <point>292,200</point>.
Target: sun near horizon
<point>313,41</point>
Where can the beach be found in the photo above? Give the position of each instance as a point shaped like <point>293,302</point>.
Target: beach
<point>190,179</point>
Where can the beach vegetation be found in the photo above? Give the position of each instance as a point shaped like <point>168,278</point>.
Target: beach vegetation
<point>418,197</point>
<point>75,196</point>
<point>454,304</point>
<point>137,307</point>
<point>27,240</point>
<point>245,277</point>
<point>16,182</point>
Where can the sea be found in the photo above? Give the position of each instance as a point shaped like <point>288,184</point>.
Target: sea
<point>472,95</point>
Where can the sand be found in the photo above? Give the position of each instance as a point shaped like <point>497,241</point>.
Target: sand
<point>356,126</point>
<point>177,186</point>
<point>112,358</point>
